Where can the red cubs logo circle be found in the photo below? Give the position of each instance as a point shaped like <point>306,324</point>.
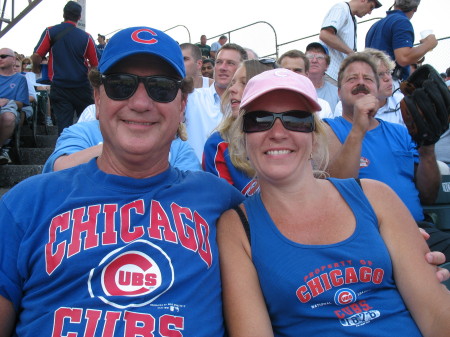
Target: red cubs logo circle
<point>142,36</point>
<point>344,296</point>
<point>132,276</point>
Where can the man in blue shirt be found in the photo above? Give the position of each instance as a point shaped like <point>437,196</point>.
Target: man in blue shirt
<point>395,35</point>
<point>101,45</point>
<point>362,146</point>
<point>13,96</point>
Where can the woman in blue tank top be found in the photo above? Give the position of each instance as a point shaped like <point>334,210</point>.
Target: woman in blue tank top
<point>317,256</point>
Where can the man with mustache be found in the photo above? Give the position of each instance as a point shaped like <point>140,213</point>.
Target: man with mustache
<point>389,101</point>
<point>362,146</point>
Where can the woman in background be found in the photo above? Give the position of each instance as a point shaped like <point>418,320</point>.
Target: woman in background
<point>216,157</point>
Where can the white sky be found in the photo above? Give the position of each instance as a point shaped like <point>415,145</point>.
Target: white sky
<point>291,20</point>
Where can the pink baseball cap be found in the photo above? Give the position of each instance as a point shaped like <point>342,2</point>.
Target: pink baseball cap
<point>279,79</point>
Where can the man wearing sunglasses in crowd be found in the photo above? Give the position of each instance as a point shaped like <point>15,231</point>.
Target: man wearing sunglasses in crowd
<point>125,244</point>
<point>13,96</point>
<point>362,146</point>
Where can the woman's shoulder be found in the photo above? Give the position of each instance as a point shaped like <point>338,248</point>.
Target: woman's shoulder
<point>215,138</point>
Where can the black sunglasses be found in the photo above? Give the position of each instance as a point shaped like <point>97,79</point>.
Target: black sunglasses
<point>293,120</point>
<point>3,56</point>
<point>120,87</point>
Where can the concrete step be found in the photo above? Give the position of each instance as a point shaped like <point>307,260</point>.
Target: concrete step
<point>27,130</point>
<point>41,140</point>
<point>3,191</point>
<point>11,175</point>
<point>35,156</point>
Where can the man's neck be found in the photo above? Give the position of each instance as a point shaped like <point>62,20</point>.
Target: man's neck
<point>317,80</point>
<point>352,4</point>
<point>198,81</point>
<point>382,101</point>
<point>219,91</point>
<point>6,71</point>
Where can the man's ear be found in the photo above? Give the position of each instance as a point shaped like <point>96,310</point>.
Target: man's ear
<point>199,64</point>
<point>183,103</point>
<point>97,101</point>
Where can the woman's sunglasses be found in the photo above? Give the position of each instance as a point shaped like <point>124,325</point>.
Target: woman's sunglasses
<point>293,120</point>
<point>120,87</point>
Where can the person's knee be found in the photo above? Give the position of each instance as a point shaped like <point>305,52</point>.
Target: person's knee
<point>8,120</point>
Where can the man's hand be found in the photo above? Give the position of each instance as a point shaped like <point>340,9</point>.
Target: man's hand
<point>430,42</point>
<point>3,101</point>
<point>436,259</point>
<point>364,110</point>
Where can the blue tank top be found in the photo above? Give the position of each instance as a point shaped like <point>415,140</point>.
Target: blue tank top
<point>341,289</point>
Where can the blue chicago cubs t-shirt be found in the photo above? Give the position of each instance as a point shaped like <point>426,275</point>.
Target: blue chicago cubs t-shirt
<point>95,254</point>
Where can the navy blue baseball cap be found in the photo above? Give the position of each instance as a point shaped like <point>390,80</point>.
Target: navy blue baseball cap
<point>318,45</point>
<point>142,40</point>
<point>73,8</point>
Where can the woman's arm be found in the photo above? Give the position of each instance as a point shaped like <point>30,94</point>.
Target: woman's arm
<point>77,158</point>
<point>426,299</point>
<point>244,307</point>
<point>7,317</point>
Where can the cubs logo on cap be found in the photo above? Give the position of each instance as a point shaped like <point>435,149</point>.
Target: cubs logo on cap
<point>142,40</point>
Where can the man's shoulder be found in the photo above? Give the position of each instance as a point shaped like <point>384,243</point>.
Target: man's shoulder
<point>215,46</point>
<point>327,86</point>
<point>202,93</point>
<point>17,78</point>
<point>395,17</point>
<point>395,127</point>
<point>339,6</point>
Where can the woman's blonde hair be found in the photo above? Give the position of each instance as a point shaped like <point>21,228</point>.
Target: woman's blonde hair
<point>238,152</point>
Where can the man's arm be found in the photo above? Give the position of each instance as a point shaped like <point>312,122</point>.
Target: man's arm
<point>407,55</point>
<point>427,175</point>
<point>328,35</point>
<point>91,53</point>
<point>36,59</point>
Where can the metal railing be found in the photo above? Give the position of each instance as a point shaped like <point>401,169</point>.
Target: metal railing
<point>13,20</point>
<point>229,35</point>
<point>439,57</point>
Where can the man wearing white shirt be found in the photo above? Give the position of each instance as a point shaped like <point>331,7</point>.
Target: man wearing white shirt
<point>338,31</point>
<point>319,60</point>
<point>203,108</point>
